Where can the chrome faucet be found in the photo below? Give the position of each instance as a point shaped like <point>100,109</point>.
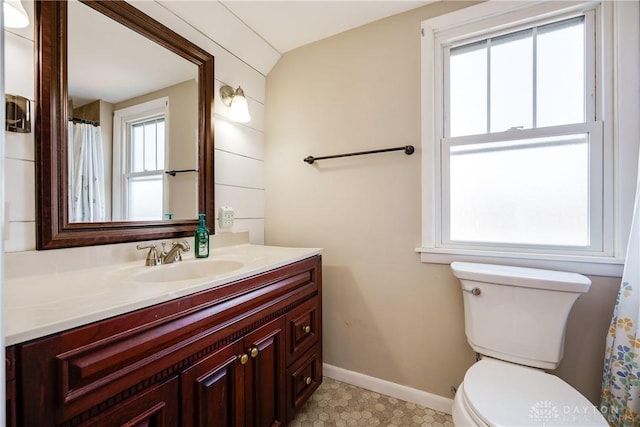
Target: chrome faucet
<point>175,253</point>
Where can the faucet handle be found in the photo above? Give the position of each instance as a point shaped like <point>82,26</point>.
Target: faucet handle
<point>152,256</point>
<point>180,247</point>
<point>185,245</point>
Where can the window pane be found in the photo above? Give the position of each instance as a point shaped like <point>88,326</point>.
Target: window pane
<point>561,70</point>
<point>145,198</point>
<point>150,146</point>
<point>160,143</point>
<point>512,81</point>
<point>521,192</point>
<point>147,141</point>
<point>137,148</point>
<point>468,90</point>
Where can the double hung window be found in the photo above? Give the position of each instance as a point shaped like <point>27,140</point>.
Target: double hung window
<point>140,139</point>
<point>517,153</point>
<point>522,149</point>
<point>145,169</point>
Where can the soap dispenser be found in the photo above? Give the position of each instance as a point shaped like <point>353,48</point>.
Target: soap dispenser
<point>202,239</point>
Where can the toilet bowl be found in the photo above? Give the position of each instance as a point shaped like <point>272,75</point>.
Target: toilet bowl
<point>497,393</point>
<point>515,318</point>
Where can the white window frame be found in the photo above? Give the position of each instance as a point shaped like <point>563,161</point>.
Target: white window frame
<point>617,86</point>
<point>122,119</point>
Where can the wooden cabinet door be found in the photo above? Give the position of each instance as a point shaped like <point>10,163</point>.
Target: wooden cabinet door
<point>265,375</point>
<point>212,391</point>
<point>10,390</point>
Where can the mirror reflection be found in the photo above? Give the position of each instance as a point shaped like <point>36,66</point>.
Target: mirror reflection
<point>133,124</point>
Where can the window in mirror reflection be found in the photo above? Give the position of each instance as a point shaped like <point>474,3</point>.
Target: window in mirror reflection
<point>140,141</point>
<point>144,180</point>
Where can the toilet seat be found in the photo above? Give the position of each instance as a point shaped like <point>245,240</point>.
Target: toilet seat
<point>497,393</point>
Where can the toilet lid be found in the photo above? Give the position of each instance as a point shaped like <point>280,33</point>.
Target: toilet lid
<point>505,394</point>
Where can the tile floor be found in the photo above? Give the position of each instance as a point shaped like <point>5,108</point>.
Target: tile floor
<point>337,404</point>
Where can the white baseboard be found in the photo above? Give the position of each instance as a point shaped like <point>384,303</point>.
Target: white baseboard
<point>388,388</point>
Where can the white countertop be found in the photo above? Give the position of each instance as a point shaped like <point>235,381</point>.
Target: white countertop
<point>39,305</point>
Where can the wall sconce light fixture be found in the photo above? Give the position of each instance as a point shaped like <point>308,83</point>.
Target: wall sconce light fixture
<point>14,14</point>
<point>237,103</point>
<point>18,113</point>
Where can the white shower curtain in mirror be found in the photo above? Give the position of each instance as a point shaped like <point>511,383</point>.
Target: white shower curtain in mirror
<point>621,376</point>
<point>86,173</point>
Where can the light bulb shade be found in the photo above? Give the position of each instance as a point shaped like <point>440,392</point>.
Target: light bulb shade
<point>14,14</point>
<point>237,103</point>
<point>239,110</point>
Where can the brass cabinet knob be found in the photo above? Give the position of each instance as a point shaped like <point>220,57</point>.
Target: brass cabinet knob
<point>254,352</point>
<point>307,380</point>
<point>243,358</point>
<point>306,329</point>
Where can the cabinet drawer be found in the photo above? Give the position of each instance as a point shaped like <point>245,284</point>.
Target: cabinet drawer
<point>303,378</point>
<point>156,407</point>
<point>303,325</point>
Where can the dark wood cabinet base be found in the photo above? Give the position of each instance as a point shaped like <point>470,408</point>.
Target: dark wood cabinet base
<point>247,353</point>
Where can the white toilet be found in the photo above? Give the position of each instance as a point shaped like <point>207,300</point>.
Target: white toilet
<point>515,318</point>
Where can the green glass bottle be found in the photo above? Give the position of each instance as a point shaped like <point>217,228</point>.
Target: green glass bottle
<point>202,239</point>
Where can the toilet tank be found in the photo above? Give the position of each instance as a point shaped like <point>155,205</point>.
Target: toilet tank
<point>518,314</point>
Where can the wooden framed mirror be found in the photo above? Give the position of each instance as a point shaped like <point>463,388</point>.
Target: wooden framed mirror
<point>54,228</point>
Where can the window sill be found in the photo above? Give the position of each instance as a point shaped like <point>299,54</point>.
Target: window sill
<point>589,265</point>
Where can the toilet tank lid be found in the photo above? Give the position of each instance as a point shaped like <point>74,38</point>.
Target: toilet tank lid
<point>521,276</point>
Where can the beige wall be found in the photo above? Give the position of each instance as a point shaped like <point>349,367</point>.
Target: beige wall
<point>386,314</point>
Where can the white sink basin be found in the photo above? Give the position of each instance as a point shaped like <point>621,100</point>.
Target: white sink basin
<point>187,270</point>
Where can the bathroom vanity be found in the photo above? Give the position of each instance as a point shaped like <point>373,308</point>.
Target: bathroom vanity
<point>240,348</point>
